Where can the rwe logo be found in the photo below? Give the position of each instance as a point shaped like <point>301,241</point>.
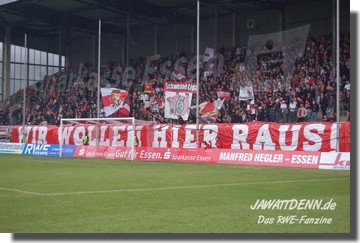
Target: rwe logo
<point>35,148</point>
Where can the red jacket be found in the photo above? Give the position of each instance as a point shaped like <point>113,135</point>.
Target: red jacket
<point>219,144</point>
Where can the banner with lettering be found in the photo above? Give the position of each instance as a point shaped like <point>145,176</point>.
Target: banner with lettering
<point>297,159</point>
<point>178,97</point>
<point>250,136</point>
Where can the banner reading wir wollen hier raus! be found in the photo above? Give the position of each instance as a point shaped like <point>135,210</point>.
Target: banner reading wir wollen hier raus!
<point>250,136</point>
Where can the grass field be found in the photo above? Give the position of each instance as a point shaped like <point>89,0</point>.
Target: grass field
<point>48,195</point>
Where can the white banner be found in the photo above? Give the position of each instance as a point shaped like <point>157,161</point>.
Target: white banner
<point>209,53</point>
<point>11,148</point>
<point>335,161</point>
<point>246,93</point>
<point>177,104</point>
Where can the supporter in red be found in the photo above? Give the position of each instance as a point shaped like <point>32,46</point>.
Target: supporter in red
<point>219,144</point>
<point>205,145</point>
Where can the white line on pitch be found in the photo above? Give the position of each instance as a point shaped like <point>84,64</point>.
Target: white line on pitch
<point>22,191</point>
<point>165,188</point>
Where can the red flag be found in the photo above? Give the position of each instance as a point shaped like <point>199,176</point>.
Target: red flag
<point>181,77</point>
<point>223,94</point>
<point>125,110</point>
<point>312,81</point>
<point>148,88</point>
<point>208,111</point>
<point>113,99</point>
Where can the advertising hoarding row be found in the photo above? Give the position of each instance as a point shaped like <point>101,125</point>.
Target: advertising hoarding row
<point>297,159</point>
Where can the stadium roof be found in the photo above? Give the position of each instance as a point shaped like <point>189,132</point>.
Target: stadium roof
<point>43,18</point>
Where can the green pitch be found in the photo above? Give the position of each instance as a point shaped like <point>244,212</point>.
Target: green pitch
<point>47,195</point>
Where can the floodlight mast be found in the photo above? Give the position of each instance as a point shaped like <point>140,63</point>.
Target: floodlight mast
<point>96,121</point>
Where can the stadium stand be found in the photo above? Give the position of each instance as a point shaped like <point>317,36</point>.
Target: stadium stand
<point>312,85</point>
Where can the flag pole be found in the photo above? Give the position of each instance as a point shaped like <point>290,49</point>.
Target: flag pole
<point>337,79</point>
<point>25,84</point>
<point>98,83</point>
<point>197,71</point>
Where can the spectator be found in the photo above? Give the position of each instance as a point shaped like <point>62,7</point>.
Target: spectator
<point>85,139</point>
<point>347,101</point>
<point>25,138</point>
<point>347,85</point>
<point>324,119</point>
<point>308,105</point>
<point>314,111</point>
<point>205,145</point>
<point>311,80</point>
<point>332,117</point>
<point>219,144</point>
<point>293,109</point>
<point>323,104</point>
<point>284,111</point>
<point>301,113</point>
<point>136,141</point>
<point>331,105</point>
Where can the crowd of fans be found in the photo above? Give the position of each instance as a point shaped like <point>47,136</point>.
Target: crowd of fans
<point>309,94</point>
